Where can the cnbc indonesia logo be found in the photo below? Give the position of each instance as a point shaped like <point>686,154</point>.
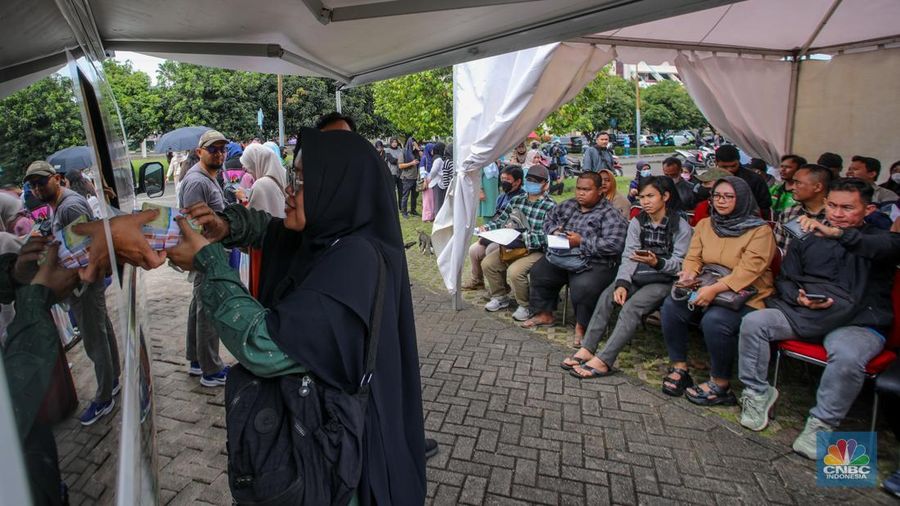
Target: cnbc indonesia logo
<point>846,460</point>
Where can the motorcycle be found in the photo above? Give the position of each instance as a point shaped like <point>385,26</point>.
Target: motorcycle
<point>707,155</point>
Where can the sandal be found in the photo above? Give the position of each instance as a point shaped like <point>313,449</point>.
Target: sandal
<point>532,323</point>
<point>567,366</point>
<point>674,387</point>
<point>594,373</point>
<point>714,396</point>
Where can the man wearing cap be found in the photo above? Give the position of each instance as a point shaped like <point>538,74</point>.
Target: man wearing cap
<point>526,213</point>
<point>200,185</point>
<point>89,305</point>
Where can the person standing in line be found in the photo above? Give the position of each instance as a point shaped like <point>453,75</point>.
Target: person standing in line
<point>598,156</point>
<point>200,185</point>
<point>89,306</point>
<point>409,177</point>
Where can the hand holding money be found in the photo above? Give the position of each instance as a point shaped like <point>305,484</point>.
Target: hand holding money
<point>129,242</point>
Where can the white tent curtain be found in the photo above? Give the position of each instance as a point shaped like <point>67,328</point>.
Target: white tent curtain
<point>746,99</point>
<point>497,102</point>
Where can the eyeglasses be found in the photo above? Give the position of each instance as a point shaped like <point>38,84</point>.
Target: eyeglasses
<point>724,197</point>
<point>294,181</point>
<point>215,151</point>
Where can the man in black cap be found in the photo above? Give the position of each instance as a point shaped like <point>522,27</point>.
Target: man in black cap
<point>199,185</point>
<point>89,305</point>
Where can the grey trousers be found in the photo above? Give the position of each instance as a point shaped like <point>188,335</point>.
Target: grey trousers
<point>644,301</point>
<point>98,336</point>
<point>202,339</point>
<point>849,350</point>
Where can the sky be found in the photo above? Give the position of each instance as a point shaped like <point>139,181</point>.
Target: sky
<point>144,63</point>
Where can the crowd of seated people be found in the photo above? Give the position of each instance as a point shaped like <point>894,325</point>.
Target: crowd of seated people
<point>701,250</point>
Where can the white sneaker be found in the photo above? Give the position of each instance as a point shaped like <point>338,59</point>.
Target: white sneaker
<point>497,303</point>
<point>805,444</point>
<point>522,314</point>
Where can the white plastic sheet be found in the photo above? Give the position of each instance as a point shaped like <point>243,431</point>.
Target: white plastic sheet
<point>497,102</point>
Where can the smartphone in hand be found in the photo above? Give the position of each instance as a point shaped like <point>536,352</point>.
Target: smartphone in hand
<point>816,297</point>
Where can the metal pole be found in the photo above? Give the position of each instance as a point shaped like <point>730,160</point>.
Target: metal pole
<point>637,113</point>
<point>337,100</point>
<point>280,114</point>
<point>792,107</point>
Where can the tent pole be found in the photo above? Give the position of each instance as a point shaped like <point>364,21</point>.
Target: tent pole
<point>637,112</point>
<point>792,106</point>
<point>280,114</point>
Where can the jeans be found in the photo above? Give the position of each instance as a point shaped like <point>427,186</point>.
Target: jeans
<point>720,327</point>
<point>98,336</point>
<point>409,196</point>
<point>584,287</point>
<point>642,302</point>
<point>849,350</point>
<point>202,339</point>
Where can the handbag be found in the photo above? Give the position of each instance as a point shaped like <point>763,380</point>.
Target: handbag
<point>420,185</point>
<point>568,259</point>
<point>710,275</point>
<point>645,275</point>
<point>294,440</point>
<point>509,255</point>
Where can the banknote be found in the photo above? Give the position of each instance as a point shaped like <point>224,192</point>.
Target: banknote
<point>163,232</point>
<point>73,248</point>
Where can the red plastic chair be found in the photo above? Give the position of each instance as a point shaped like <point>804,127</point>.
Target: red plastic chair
<point>700,212</point>
<point>816,354</point>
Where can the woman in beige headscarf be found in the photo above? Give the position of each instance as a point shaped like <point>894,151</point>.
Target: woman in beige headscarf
<point>267,193</point>
<point>612,194</point>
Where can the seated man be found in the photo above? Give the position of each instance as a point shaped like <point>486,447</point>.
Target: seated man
<point>810,187</point>
<point>595,231</point>
<point>834,288</point>
<point>511,184</point>
<point>527,213</point>
<point>782,194</point>
<point>868,169</point>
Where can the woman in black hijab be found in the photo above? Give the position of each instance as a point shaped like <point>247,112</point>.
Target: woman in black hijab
<point>318,281</point>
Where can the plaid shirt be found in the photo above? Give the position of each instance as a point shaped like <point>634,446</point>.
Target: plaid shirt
<point>782,236</point>
<point>602,228</point>
<point>535,212</point>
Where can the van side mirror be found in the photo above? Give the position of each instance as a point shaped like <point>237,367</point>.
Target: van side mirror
<point>152,179</point>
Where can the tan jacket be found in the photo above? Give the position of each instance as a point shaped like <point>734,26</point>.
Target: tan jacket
<point>748,256</point>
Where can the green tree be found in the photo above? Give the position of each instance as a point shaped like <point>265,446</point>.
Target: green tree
<point>138,101</point>
<point>35,122</point>
<point>667,106</point>
<point>418,104</point>
<point>606,100</point>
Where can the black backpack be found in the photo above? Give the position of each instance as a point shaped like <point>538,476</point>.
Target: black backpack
<point>292,440</point>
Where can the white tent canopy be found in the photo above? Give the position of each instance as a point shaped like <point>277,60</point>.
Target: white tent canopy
<point>744,66</point>
<point>352,41</point>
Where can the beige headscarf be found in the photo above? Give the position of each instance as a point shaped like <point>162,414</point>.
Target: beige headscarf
<point>267,193</point>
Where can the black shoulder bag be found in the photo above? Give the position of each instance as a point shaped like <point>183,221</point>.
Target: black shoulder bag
<point>292,440</point>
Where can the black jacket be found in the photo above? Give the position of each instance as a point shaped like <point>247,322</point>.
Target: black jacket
<point>857,271</point>
<point>759,188</point>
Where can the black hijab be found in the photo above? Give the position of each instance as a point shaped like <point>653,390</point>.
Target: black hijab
<point>745,215</point>
<point>350,209</point>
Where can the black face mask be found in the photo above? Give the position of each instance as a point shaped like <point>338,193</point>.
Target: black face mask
<point>506,186</point>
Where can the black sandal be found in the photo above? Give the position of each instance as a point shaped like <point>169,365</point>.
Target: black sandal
<point>674,387</point>
<point>594,373</point>
<point>567,367</point>
<point>715,396</point>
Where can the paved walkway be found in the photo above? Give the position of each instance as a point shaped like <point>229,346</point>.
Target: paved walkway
<point>513,428</point>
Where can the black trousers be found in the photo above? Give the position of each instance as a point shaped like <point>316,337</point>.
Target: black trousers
<point>409,196</point>
<point>399,183</point>
<point>546,280</point>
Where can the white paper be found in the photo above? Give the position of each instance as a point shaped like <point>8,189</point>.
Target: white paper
<point>557,241</point>
<point>502,236</point>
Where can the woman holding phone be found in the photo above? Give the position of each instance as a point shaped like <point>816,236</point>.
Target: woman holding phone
<point>657,241</point>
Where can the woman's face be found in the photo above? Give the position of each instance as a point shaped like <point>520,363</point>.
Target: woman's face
<point>651,200</point>
<point>607,181</point>
<point>724,198</point>
<point>295,214</point>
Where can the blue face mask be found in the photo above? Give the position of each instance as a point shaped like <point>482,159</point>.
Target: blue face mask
<point>533,188</point>
<point>645,173</point>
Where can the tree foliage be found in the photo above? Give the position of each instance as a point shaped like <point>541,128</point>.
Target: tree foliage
<point>35,122</point>
<point>420,104</point>
<point>138,101</point>
<point>667,106</point>
<point>606,100</point>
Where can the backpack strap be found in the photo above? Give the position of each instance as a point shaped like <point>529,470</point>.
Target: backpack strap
<point>374,326</point>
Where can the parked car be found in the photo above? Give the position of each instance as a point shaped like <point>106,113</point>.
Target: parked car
<point>573,143</point>
<point>678,140</point>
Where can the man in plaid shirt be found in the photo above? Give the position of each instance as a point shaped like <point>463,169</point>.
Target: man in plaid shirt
<point>530,210</point>
<point>595,231</point>
<point>810,188</point>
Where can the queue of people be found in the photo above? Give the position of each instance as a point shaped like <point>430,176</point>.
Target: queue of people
<point>714,273</point>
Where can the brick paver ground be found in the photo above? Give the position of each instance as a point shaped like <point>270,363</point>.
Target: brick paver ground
<point>513,428</point>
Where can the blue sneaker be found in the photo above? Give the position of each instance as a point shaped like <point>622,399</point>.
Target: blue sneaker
<point>194,369</point>
<point>96,411</point>
<point>117,387</point>
<point>215,380</point>
<point>892,484</point>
